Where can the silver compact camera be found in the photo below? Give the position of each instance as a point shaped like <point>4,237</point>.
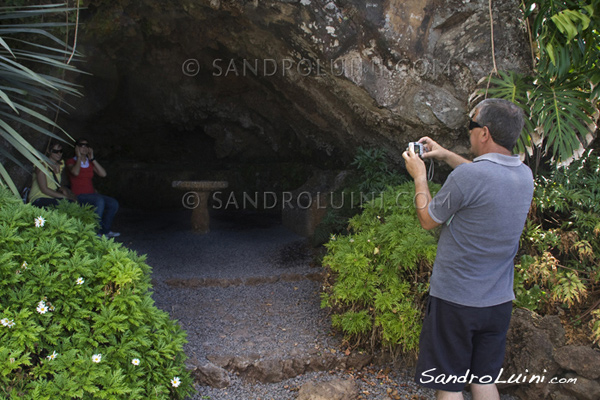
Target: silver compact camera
<point>417,148</point>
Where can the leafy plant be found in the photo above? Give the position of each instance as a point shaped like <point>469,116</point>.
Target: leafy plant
<point>560,98</point>
<point>559,266</point>
<point>29,53</point>
<point>374,170</point>
<point>373,176</point>
<point>76,316</point>
<point>379,273</point>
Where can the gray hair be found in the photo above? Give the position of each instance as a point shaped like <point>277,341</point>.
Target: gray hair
<point>504,120</point>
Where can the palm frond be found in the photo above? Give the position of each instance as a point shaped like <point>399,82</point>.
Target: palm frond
<point>563,111</point>
<point>31,58</point>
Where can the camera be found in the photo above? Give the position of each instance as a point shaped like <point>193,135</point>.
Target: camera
<point>417,147</point>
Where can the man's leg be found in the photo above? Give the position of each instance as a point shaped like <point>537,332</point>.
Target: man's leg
<point>485,392</point>
<point>443,395</point>
<point>488,350</point>
<point>445,348</point>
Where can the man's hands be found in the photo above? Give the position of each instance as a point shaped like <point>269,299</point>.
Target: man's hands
<point>416,168</point>
<point>414,165</point>
<point>437,152</point>
<point>434,150</point>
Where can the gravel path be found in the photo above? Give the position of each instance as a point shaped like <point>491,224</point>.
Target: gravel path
<point>247,289</point>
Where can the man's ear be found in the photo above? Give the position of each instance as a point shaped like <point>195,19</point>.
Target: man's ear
<point>486,135</point>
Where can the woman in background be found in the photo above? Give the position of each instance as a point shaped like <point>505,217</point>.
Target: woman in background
<point>82,168</point>
<point>47,191</point>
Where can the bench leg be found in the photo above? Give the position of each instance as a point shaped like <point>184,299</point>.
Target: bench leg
<point>200,217</point>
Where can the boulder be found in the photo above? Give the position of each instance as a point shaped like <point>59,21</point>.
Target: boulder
<point>582,388</point>
<point>583,360</point>
<point>531,340</point>
<point>211,375</point>
<point>337,389</point>
<point>542,366</point>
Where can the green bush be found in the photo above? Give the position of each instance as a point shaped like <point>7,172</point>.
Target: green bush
<point>559,267</point>
<point>373,175</point>
<point>76,316</point>
<point>379,273</point>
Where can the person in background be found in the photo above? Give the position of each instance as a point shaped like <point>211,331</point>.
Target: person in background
<point>82,169</point>
<point>47,190</point>
<point>482,208</point>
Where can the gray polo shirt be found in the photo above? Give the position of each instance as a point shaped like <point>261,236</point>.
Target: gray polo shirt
<point>482,207</point>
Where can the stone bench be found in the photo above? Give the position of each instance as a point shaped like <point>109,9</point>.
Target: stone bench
<point>196,198</point>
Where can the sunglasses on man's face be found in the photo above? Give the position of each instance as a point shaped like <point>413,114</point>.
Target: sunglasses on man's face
<point>82,144</point>
<point>54,151</point>
<point>473,125</point>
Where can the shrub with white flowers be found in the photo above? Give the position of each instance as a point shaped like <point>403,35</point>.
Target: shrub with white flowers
<point>76,316</point>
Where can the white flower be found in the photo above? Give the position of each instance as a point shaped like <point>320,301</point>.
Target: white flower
<point>176,381</point>
<point>24,265</point>
<point>4,321</point>
<point>135,361</point>
<point>41,308</point>
<point>97,358</point>
<point>10,323</point>
<point>39,222</point>
<point>80,281</point>
<point>52,356</point>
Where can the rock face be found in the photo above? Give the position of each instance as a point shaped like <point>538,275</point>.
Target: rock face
<point>187,87</point>
<point>539,364</point>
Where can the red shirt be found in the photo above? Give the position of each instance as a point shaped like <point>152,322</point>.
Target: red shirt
<point>82,183</point>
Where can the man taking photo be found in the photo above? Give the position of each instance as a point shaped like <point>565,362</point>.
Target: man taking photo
<point>482,208</point>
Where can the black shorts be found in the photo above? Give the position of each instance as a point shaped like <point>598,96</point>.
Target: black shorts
<point>461,345</point>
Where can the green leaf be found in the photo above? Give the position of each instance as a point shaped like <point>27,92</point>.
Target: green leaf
<point>26,94</point>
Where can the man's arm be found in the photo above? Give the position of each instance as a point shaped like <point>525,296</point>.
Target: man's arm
<point>416,168</point>
<point>438,152</point>
<point>422,200</point>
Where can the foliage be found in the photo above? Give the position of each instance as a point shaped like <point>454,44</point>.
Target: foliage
<point>379,273</point>
<point>560,99</point>
<point>374,170</point>
<point>560,264</point>
<point>76,313</point>
<point>27,46</point>
<point>373,177</point>
<point>82,212</point>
